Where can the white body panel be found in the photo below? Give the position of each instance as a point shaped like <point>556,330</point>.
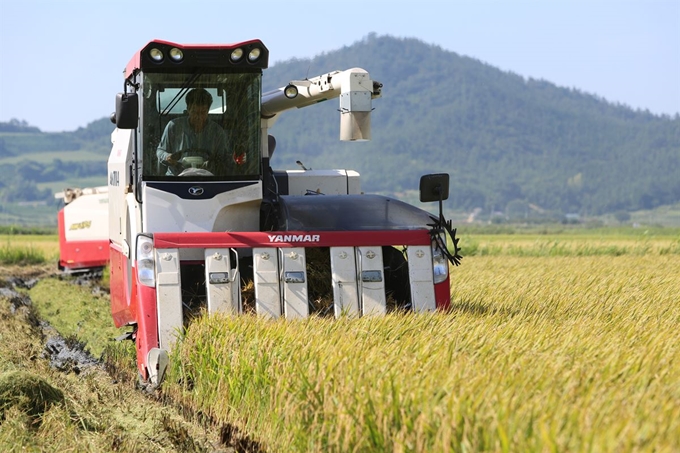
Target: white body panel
<point>421,278</point>
<point>294,281</point>
<point>86,218</point>
<point>371,293</point>
<point>119,164</point>
<point>168,296</point>
<point>328,182</point>
<point>266,280</point>
<point>235,210</point>
<point>222,283</point>
<point>344,271</point>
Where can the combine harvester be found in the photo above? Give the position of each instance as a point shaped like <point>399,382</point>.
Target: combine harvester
<point>83,225</point>
<point>199,233</point>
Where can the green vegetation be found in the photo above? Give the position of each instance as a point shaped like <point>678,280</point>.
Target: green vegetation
<point>519,150</point>
<point>35,165</point>
<point>521,147</point>
<point>26,246</point>
<point>29,214</point>
<point>42,409</point>
<point>26,230</point>
<point>20,255</point>
<point>28,393</point>
<point>86,316</point>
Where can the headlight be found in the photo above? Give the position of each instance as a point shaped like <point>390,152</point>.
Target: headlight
<point>440,265</point>
<point>156,55</point>
<point>290,91</point>
<point>254,54</point>
<point>236,54</point>
<point>146,269</point>
<point>176,54</point>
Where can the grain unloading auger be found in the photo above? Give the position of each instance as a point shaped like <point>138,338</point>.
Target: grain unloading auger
<point>194,227</point>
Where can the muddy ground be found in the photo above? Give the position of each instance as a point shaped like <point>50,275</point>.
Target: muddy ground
<point>55,396</point>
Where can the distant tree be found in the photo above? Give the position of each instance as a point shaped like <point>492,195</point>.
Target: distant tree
<point>15,125</point>
<point>622,216</point>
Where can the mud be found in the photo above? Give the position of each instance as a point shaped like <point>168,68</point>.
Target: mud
<point>67,355</point>
<point>188,432</point>
<point>18,282</point>
<point>15,299</point>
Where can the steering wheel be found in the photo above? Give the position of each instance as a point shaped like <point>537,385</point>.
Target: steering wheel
<point>192,158</point>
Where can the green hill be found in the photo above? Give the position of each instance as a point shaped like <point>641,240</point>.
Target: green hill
<point>518,146</point>
<point>506,140</point>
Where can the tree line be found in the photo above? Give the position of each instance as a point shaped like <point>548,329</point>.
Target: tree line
<point>511,144</point>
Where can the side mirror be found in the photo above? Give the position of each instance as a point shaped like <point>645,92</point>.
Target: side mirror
<point>127,111</point>
<point>434,187</point>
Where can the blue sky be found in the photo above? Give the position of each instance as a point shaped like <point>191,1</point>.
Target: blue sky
<point>61,62</point>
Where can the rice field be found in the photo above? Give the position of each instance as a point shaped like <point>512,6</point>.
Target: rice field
<point>538,353</point>
<point>562,342</point>
<point>28,249</point>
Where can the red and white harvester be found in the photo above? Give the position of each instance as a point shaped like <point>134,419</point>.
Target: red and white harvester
<point>228,222</point>
<point>83,227</point>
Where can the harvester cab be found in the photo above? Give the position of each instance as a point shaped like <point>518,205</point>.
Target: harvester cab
<point>198,221</point>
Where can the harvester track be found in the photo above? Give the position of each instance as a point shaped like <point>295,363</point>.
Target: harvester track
<point>185,431</point>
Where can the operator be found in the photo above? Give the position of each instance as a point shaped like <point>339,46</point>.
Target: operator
<point>193,134</point>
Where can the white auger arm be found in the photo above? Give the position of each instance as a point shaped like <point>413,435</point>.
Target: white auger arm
<point>353,86</point>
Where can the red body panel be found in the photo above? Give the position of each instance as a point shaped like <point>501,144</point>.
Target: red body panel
<point>123,307</point>
<point>77,255</point>
<point>133,303</point>
<point>147,324</point>
<point>292,239</point>
<point>442,294</point>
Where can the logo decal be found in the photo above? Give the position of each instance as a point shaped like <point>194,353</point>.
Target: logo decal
<point>81,225</point>
<point>294,237</point>
<point>114,178</point>
<point>196,191</point>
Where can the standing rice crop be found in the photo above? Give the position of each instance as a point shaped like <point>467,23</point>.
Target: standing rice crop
<point>537,354</point>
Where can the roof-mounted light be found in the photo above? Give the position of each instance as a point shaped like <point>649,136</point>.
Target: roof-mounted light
<point>176,54</point>
<point>156,55</point>
<point>236,54</point>
<point>254,54</point>
<point>290,91</point>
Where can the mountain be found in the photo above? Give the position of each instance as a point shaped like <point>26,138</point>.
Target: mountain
<point>505,140</point>
<point>516,145</point>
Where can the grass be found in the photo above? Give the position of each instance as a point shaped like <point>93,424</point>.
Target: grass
<point>28,249</point>
<point>76,311</point>
<point>25,255</point>
<point>537,354</point>
<point>42,409</point>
